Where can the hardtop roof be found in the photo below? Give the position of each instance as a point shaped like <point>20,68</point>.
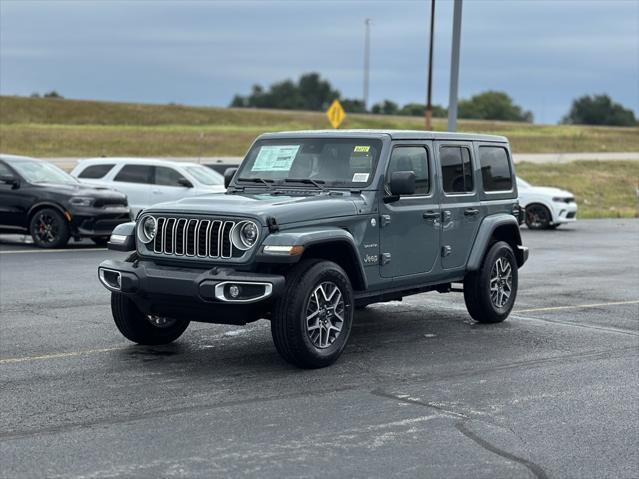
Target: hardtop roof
<point>393,134</point>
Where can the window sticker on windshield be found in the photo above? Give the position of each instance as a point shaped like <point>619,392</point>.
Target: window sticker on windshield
<point>360,177</point>
<point>361,149</point>
<point>275,158</point>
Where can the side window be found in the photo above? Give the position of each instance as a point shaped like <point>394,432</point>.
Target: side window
<point>411,158</point>
<point>495,168</point>
<point>95,171</point>
<point>457,170</point>
<point>167,176</point>
<point>135,174</point>
<point>4,169</point>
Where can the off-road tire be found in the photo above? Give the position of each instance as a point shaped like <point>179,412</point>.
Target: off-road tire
<point>60,230</point>
<point>289,319</point>
<point>477,294</point>
<point>538,217</point>
<point>136,327</point>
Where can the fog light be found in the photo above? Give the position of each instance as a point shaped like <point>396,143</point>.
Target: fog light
<point>234,291</point>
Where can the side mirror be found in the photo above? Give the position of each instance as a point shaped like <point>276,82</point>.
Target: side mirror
<point>184,182</point>
<point>228,176</point>
<point>402,183</point>
<point>9,179</point>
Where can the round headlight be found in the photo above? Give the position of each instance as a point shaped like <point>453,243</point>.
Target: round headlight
<point>147,228</point>
<point>245,235</point>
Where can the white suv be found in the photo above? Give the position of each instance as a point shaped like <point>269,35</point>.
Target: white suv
<point>546,208</point>
<point>149,181</point>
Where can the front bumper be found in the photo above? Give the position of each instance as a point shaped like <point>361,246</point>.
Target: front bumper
<point>564,212</point>
<point>194,294</point>
<point>87,222</point>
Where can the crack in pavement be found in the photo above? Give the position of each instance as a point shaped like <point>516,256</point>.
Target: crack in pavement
<point>538,472</point>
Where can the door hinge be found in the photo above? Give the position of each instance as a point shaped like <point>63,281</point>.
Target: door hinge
<point>446,250</point>
<point>385,258</point>
<point>384,220</point>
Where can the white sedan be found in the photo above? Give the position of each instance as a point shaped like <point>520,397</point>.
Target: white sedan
<point>149,181</point>
<point>546,208</point>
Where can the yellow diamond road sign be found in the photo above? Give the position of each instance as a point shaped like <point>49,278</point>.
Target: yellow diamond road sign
<point>336,114</point>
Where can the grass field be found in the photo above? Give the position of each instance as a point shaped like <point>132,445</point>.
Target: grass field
<point>603,189</point>
<point>70,128</point>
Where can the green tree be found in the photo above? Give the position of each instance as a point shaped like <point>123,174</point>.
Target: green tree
<point>599,110</point>
<point>352,105</point>
<point>418,109</point>
<point>52,94</point>
<point>309,93</point>
<point>386,107</point>
<point>493,105</point>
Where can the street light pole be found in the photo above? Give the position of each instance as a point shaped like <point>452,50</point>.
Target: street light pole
<point>454,67</point>
<point>429,104</point>
<point>367,54</point>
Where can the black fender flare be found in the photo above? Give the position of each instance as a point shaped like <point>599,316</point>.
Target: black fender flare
<point>310,237</point>
<point>504,226</point>
<point>46,204</point>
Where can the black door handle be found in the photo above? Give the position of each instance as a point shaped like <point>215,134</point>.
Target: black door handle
<point>471,211</point>
<point>432,215</point>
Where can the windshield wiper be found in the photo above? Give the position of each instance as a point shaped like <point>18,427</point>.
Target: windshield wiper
<point>308,181</point>
<point>267,182</point>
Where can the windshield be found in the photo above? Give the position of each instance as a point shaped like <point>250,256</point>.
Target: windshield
<point>205,175</point>
<point>331,161</point>
<point>522,184</point>
<point>42,172</point>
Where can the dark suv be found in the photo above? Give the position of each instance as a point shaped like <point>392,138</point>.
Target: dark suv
<point>39,198</point>
<point>315,224</point>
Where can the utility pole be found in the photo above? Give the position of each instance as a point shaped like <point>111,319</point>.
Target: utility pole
<point>429,96</point>
<point>454,67</point>
<point>367,60</point>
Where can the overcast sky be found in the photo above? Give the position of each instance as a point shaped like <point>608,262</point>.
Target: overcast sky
<point>543,53</point>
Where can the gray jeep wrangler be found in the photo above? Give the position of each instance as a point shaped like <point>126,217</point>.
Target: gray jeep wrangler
<point>317,224</point>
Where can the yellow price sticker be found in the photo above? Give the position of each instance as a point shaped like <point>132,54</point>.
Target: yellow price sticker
<point>362,149</point>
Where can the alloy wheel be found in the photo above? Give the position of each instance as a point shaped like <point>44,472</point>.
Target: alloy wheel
<point>501,282</point>
<point>47,228</point>
<point>325,314</point>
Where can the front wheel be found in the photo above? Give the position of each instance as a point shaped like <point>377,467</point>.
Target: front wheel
<point>312,320</point>
<point>49,229</point>
<point>143,328</point>
<point>490,293</point>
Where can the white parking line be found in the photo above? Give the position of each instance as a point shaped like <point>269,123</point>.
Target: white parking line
<point>577,306</point>
<point>26,251</point>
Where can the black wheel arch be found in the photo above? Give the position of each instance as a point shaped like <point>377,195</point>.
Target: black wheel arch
<point>40,205</point>
<point>493,229</point>
<point>342,253</point>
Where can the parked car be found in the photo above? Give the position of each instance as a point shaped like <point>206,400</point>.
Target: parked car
<point>40,199</point>
<point>546,208</point>
<point>149,181</point>
<point>315,224</point>
<point>220,167</point>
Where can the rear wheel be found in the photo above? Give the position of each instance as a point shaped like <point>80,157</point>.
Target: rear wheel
<point>143,328</point>
<point>538,217</point>
<point>49,229</point>
<point>490,293</point>
<point>312,320</point>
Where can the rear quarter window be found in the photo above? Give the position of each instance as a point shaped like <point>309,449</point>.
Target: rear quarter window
<point>495,168</point>
<point>96,171</point>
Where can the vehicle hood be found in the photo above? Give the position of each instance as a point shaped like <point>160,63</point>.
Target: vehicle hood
<point>81,190</point>
<point>285,209</point>
<point>545,191</point>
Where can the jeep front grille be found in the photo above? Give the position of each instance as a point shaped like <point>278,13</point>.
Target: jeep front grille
<point>195,238</point>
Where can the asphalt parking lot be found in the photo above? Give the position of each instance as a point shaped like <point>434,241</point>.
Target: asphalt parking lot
<point>421,390</point>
